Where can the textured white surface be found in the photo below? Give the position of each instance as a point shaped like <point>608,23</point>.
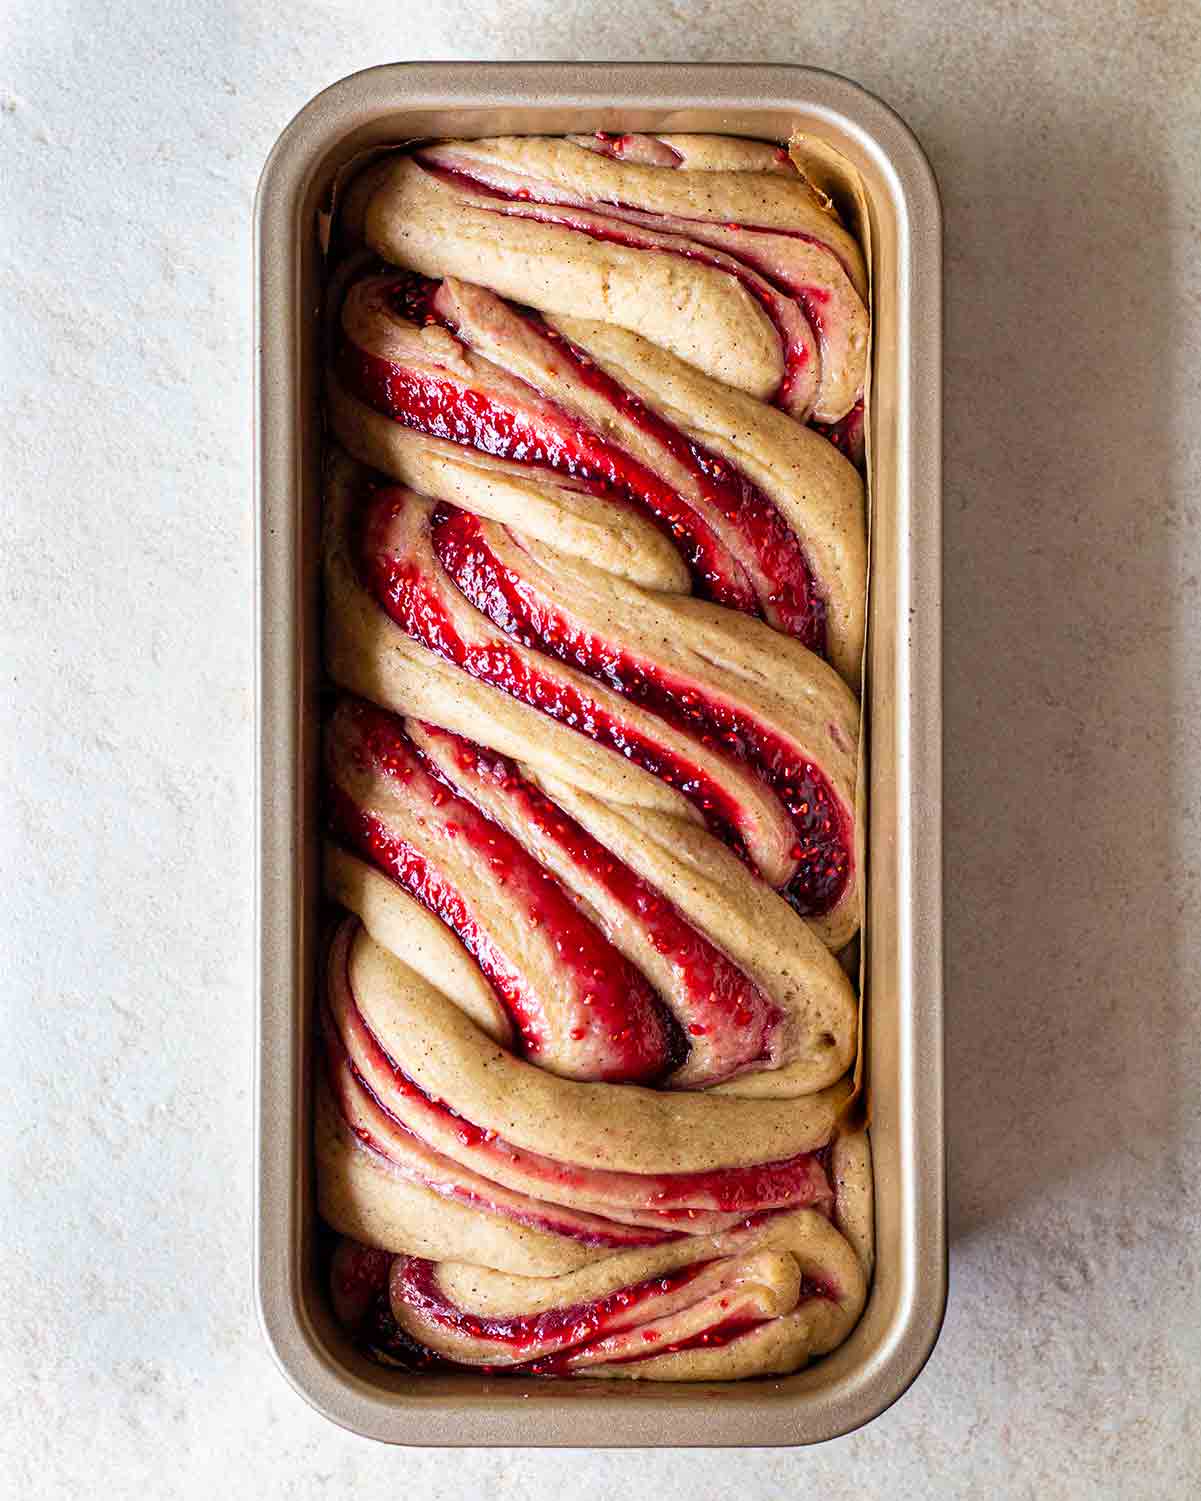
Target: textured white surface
<point>1066,138</point>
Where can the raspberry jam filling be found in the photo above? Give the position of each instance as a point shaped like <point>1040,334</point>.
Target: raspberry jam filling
<point>613,1005</point>
<point>792,1183</point>
<point>474,419</point>
<point>714,1338</point>
<point>823,847</point>
<point>379,1130</point>
<point>411,600</point>
<point>723,1333</point>
<point>789,597</point>
<point>732,1193</point>
<point>365,1283</point>
<point>375,1330</point>
<point>725,1005</point>
<point>783,315</point>
<point>801,1181</point>
<point>793,604</point>
<point>414,1282</point>
<point>458,173</point>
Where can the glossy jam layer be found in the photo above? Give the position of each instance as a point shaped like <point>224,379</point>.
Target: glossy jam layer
<point>771,271</point>
<point>412,601</point>
<point>362,1287</point>
<point>379,1130</point>
<point>614,1006</point>
<point>724,1332</point>
<point>690,1198</point>
<point>793,604</point>
<point>724,1004</point>
<point>446,409</point>
<point>561,1336</point>
<point>392,1117</point>
<point>747,1192</point>
<point>672,1198</point>
<point>473,417</point>
<point>414,1282</point>
<point>381,1338</point>
<point>623,231</point>
<point>511,602</point>
<point>713,1338</point>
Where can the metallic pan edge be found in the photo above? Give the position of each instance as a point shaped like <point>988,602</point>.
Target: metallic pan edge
<point>904,716</point>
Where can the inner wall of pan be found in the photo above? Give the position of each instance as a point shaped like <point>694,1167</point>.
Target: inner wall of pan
<point>883,1000</point>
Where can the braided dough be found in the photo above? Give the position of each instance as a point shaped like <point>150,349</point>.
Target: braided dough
<point>594,595</point>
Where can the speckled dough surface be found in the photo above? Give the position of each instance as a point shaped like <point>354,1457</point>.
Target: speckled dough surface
<point>592,582</point>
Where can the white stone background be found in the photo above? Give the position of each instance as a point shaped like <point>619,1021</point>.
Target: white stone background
<point>1066,138</point>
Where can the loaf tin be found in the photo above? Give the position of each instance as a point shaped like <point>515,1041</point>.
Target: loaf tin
<point>903,723</point>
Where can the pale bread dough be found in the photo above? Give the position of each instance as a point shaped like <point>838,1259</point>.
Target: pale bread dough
<point>693,344</point>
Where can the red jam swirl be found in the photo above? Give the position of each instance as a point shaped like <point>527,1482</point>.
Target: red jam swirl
<point>793,604</point>
<point>414,1281</point>
<point>412,601</point>
<point>792,1182</point>
<point>823,847</point>
<point>725,1004</point>
<point>599,226</point>
<point>473,418</point>
<point>380,1130</point>
<point>714,1338</point>
<point>617,1008</point>
<point>561,1335</point>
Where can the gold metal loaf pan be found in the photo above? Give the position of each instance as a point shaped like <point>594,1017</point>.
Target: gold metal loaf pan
<point>903,716</point>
